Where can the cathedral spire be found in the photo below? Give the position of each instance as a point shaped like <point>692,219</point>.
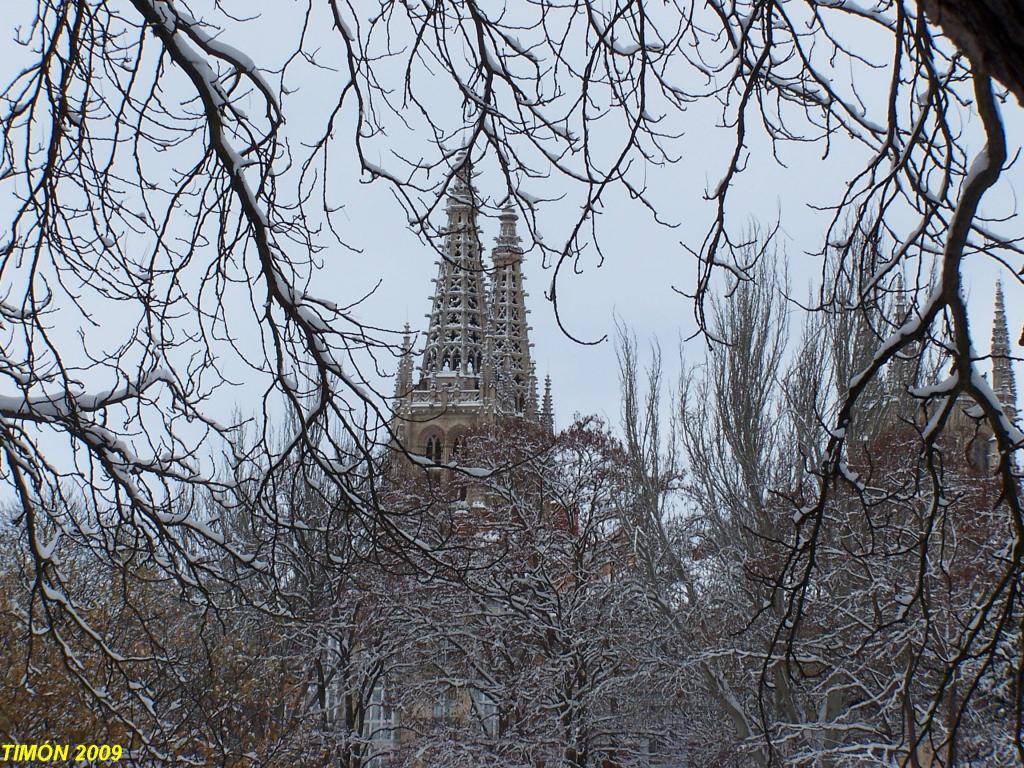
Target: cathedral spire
<point>547,414</point>
<point>509,343</point>
<point>455,337</point>
<point>1003,381</point>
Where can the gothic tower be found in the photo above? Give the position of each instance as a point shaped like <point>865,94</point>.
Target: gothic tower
<point>476,366</point>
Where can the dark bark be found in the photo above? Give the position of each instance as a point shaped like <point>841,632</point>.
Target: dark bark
<point>989,32</point>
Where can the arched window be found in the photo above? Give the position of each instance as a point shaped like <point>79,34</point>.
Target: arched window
<point>978,454</point>
<point>435,448</point>
<point>458,445</point>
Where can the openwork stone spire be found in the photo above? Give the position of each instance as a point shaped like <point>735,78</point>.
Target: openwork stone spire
<point>1003,381</point>
<point>509,343</point>
<point>455,337</point>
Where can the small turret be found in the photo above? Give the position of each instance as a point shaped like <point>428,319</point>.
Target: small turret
<point>403,379</point>
<point>902,374</point>
<point>547,414</point>
<point>532,404</point>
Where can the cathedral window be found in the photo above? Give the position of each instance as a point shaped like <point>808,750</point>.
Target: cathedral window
<point>435,448</point>
<point>381,725</point>
<point>486,711</point>
<point>978,454</point>
<point>444,707</point>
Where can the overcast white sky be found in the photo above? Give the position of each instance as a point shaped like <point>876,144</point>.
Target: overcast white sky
<point>643,261</point>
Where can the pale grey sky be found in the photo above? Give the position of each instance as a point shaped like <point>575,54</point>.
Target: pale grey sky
<point>642,263</point>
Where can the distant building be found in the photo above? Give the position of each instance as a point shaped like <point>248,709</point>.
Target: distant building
<point>475,371</point>
<point>975,439</point>
<point>476,366</point>
<point>891,412</point>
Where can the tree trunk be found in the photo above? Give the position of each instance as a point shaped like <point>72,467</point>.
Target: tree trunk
<point>989,32</point>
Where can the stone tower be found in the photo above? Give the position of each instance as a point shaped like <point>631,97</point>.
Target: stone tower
<point>476,365</point>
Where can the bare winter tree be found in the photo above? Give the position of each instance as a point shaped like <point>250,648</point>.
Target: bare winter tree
<point>142,197</point>
<point>543,650</point>
<point>866,675</point>
<point>161,210</point>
